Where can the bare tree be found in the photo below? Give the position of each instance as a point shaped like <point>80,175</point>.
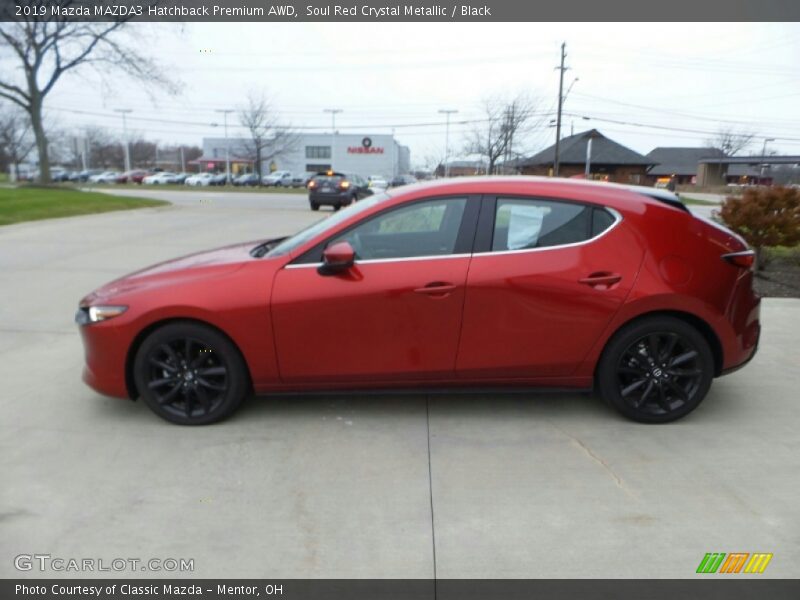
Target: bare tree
<point>45,48</point>
<point>506,122</point>
<point>730,140</point>
<point>268,139</point>
<point>16,139</point>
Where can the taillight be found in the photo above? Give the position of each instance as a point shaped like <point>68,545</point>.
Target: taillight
<point>344,185</point>
<point>745,259</point>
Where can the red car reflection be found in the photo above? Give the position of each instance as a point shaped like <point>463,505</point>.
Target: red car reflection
<point>468,283</point>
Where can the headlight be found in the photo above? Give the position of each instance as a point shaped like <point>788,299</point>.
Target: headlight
<point>95,314</point>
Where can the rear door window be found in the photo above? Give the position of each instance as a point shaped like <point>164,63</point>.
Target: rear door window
<point>523,224</point>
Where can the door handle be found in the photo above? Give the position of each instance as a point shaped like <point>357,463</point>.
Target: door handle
<point>603,278</point>
<point>436,288</point>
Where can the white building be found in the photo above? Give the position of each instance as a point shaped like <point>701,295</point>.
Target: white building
<point>366,155</point>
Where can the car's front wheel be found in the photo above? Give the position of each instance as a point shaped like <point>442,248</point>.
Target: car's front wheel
<point>190,374</point>
<point>656,370</point>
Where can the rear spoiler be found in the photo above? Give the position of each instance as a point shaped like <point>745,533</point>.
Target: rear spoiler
<point>663,196</point>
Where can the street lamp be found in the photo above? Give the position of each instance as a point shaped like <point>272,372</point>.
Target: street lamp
<point>123,112</point>
<point>225,112</point>
<point>334,112</point>
<point>447,112</point>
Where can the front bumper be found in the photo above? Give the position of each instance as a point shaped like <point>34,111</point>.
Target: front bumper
<point>105,352</point>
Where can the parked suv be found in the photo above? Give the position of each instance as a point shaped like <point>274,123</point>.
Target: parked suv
<point>336,189</point>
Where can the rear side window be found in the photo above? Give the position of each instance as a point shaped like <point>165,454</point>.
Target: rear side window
<point>522,224</point>
<point>601,220</point>
<point>328,179</point>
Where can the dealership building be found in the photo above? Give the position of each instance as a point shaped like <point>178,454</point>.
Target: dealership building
<point>364,154</point>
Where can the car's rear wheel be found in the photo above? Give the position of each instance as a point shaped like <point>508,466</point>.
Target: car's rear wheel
<point>190,374</point>
<point>656,370</point>
<point>314,206</point>
<point>337,206</point>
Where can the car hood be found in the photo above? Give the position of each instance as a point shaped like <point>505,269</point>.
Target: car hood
<point>206,265</point>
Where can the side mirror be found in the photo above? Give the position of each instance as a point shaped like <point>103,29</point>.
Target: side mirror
<point>337,258</point>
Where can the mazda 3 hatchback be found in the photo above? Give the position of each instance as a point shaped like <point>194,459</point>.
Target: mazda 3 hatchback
<point>466,284</point>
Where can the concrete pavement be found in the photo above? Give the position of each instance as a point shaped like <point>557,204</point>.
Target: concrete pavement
<point>479,486</point>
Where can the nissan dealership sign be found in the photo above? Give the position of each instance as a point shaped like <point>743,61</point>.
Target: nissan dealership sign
<point>366,147</point>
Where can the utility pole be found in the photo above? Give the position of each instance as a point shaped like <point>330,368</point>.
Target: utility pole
<point>225,112</point>
<point>125,111</point>
<point>394,156</point>
<point>764,155</point>
<point>334,112</point>
<point>183,162</point>
<point>561,69</point>
<point>447,112</point>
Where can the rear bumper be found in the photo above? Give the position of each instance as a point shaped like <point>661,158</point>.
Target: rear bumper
<point>744,317</point>
<point>340,198</point>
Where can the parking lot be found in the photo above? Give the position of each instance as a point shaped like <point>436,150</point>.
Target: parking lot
<point>371,486</point>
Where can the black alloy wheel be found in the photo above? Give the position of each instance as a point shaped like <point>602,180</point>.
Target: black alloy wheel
<point>656,370</point>
<point>190,374</point>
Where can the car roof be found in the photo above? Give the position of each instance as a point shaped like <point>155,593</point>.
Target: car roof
<point>614,195</point>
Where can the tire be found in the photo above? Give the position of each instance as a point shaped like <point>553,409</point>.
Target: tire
<point>203,390</point>
<point>336,207</point>
<point>314,206</point>
<point>655,370</point>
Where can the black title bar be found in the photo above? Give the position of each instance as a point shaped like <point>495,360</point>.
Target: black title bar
<point>413,10</point>
<point>711,587</point>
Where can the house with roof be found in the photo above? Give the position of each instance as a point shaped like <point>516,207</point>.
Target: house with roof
<point>607,160</point>
<point>678,162</point>
<point>709,166</point>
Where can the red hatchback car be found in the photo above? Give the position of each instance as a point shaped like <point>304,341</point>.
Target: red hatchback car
<point>479,283</point>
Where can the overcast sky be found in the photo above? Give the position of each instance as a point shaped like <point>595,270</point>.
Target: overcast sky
<point>690,79</point>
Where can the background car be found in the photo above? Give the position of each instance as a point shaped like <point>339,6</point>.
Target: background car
<point>219,179</point>
<point>59,175</point>
<point>129,176</point>
<point>138,176</point>
<point>278,178</point>
<point>377,183</point>
<point>199,179</point>
<point>402,180</point>
<point>85,175</point>
<point>162,178</point>
<point>336,189</point>
<point>104,177</point>
<point>247,179</point>
<point>510,282</point>
<point>180,178</point>
<point>301,179</point>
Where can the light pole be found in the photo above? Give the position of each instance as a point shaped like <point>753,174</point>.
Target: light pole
<point>561,69</point>
<point>334,112</point>
<point>394,156</point>
<point>225,112</point>
<point>447,112</point>
<point>125,111</point>
<point>764,155</point>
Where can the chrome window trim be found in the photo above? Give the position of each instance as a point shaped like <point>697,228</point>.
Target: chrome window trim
<point>617,220</point>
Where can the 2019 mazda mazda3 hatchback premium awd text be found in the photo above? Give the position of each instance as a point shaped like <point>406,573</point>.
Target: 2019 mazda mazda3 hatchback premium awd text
<point>469,283</point>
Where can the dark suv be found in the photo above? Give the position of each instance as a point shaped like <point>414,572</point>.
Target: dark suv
<point>336,189</point>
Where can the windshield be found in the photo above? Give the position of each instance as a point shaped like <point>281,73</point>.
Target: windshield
<point>324,225</point>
